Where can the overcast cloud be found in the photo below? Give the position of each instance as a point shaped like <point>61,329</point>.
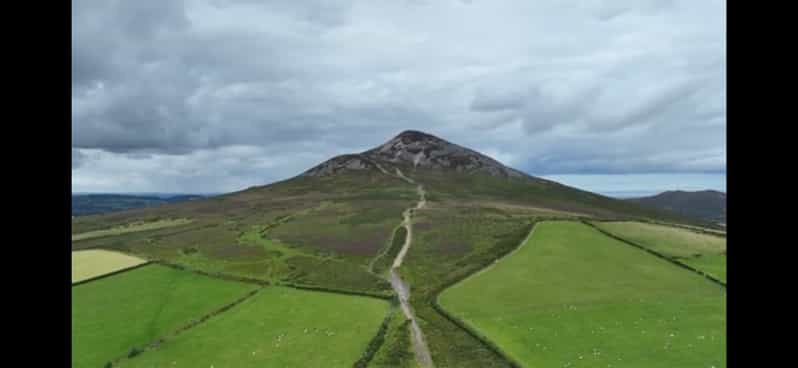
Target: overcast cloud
<point>212,96</point>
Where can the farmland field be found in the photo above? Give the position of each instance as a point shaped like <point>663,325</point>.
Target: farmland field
<point>702,251</point>
<point>572,297</point>
<point>110,316</point>
<point>92,263</point>
<point>278,327</point>
<point>129,228</point>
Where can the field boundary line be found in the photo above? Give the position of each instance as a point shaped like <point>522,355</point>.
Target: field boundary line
<point>475,334</point>
<point>376,342</point>
<point>191,324</point>
<point>323,289</point>
<point>494,263</point>
<point>216,275</point>
<point>693,228</point>
<point>251,280</point>
<point>464,325</point>
<point>657,254</point>
<point>98,277</point>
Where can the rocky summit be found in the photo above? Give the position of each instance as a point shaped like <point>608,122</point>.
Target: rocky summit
<point>416,149</point>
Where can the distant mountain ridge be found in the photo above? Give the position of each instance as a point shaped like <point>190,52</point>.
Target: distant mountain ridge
<point>95,203</point>
<point>707,205</point>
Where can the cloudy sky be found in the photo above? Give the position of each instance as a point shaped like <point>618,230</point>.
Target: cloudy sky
<point>216,96</point>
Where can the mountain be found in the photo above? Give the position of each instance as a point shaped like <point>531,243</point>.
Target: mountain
<point>707,205</point>
<point>341,226</point>
<point>417,150</point>
<point>91,204</point>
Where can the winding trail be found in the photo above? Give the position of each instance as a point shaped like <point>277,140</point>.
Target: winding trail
<point>423,356</point>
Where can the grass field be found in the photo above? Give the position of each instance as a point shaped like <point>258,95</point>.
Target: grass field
<point>129,228</point>
<point>572,297</point>
<point>96,262</point>
<point>714,265</point>
<point>278,327</point>
<point>702,251</point>
<point>111,316</point>
<point>449,243</point>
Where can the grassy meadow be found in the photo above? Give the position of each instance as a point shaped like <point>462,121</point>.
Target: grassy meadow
<point>702,251</point>
<point>572,297</point>
<point>278,327</point>
<point>111,316</point>
<point>87,264</point>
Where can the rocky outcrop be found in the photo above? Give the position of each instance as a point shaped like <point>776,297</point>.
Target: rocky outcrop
<point>340,163</point>
<point>418,150</point>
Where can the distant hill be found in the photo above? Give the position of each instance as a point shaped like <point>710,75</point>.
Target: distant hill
<point>707,205</point>
<point>92,204</point>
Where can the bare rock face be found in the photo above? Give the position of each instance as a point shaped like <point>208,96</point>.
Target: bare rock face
<point>338,164</point>
<point>419,150</point>
<point>424,150</point>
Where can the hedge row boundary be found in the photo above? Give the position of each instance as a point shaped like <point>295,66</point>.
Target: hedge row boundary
<point>376,343</point>
<point>695,229</point>
<point>191,324</point>
<point>98,277</point>
<point>657,254</point>
<point>250,280</point>
<point>462,324</point>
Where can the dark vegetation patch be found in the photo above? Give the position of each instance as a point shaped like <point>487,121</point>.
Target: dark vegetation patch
<point>373,215</point>
<point>375,343</point>
<point>335,274</point>
<point>454,248</point>
<point>422,225</point>
<point>396,351</point>
<point>235,251</point>
<point>362,246</point>
<point>356,228</point>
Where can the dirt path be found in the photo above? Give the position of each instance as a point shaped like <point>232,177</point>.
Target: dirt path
<point>423,356</point>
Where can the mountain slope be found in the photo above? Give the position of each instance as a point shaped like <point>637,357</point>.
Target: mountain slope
<point>324,227</point>
<point>708,205</point>
<point>455,173</point>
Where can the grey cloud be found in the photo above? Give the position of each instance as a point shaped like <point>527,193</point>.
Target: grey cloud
<point>77,158</point>
<point>547,84</point>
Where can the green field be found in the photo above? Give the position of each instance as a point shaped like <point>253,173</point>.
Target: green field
<point>87,264</point>
<point>278,327</point>
<point>702,251</point>
<point>129,228</point>
<point>572,297</point>
<point>113,315</point>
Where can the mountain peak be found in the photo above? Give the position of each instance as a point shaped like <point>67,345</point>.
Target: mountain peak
<point>415,135</point>
<point>414,149</point>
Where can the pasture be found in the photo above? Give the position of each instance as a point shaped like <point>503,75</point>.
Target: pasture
<point>702,251</point>
<point>573,297</point>
<point>113,315</point>
<point>92,263</point>
<point>278,327</point>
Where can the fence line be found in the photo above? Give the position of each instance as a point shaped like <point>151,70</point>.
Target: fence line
<point>657,254</point>
<point>81,282</point>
